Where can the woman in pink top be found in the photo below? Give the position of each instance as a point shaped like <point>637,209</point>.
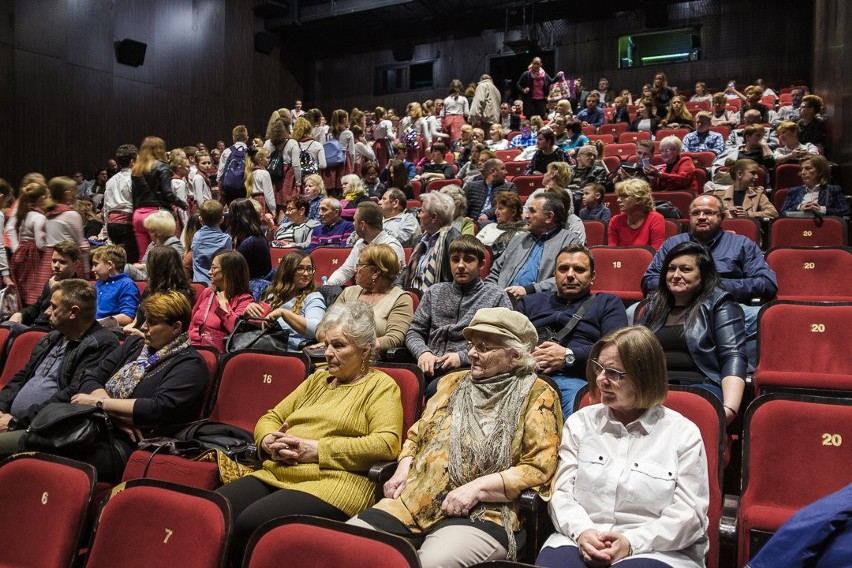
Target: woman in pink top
<point>218,307</point>
<point>637,224</point>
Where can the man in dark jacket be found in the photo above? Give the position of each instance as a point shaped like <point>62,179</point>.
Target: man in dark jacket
<point>481,191</point>
<point>565,360</point>
<point>65,261</point>
<point>58,361</point>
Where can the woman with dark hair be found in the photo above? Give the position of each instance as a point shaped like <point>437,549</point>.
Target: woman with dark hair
<point>398,178</point>
<point>153,381</point>
<point>646,119</point>
<point>216,311</point>
<point>281,146</point>
<point>165,274</point>
<point>294,300</point>
<point>699,325</point>
<point>193,223</point>
<point>631,489</point>
<point>249,240</point>
<point>508,211</point>
<point>456,110</point>
<point>575,140</point>
<point>662,93</point>
<point>332,176</point>
<point>151,186</point>
<point>534,85</point>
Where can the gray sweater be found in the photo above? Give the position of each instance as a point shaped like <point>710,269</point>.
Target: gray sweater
<point>444,311</point>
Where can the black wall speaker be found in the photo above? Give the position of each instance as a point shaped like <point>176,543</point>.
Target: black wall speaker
<point>403,51</point>
<point>130,52</point>
<point>265,42</point>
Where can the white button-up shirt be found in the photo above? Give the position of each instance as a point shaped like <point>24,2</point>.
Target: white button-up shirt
<point>646,481</point>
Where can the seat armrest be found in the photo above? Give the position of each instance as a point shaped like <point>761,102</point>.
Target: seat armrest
<point>399,354</point>
<point>381,471</point>
<point>728,521</point>
<point>531,501</point>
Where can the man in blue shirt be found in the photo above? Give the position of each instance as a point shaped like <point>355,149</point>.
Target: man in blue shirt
<point>591,115</point>
<point>526,138</point>
<point>703,139</point>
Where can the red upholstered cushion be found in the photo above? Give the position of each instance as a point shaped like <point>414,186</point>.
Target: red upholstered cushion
<point>46,504</point>
<point>142,527</point>
<point>765,518</point>
<point>309,546</point>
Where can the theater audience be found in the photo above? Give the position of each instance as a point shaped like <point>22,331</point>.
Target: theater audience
<point>816,196</point>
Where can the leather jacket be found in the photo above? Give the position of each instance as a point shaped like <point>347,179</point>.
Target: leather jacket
<point>717,339</point>
<point>154,189</point>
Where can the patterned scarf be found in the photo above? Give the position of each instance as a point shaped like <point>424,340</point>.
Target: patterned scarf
<point>124,381</point>
<point>485,415</point>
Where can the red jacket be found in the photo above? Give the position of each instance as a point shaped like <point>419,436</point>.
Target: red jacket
<point>681,178</point>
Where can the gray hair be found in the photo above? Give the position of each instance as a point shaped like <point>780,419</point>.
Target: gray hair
<point>458,196</point>
<point>356,319</point>
<point>672,142</point>
<point>334,204</point>
<point>439,204</point>
<point>527,363</point>
<point>588,149</point>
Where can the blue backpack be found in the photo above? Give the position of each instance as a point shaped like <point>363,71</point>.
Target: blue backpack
<point>334,154</point>
<point>234,174</point>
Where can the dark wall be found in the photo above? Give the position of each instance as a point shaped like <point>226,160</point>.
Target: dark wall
<point>742,40</point>
<point>66,103</point>
<point>832,78</point>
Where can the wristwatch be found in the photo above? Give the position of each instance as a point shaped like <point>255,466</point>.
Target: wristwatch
<point>100,403</point>
<point>569,357</point>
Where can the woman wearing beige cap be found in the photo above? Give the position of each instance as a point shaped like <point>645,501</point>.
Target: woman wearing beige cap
<point>486,435</point>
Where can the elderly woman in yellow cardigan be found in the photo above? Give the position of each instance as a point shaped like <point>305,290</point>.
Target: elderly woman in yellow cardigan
<point>319,442</point>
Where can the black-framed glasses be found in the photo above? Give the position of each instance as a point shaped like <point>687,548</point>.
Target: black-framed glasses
<point>305,270</point>
<point>612,375</point>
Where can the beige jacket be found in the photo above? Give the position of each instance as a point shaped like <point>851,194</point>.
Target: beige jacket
<point>756,204</point>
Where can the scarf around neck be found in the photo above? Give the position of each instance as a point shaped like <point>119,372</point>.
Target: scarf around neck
<point>124,381</point>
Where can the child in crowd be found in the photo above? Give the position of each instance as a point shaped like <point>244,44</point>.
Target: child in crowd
<point>118,296</point>
<point>621,113</point>
<point>593,207</point>
<point>208,240</point>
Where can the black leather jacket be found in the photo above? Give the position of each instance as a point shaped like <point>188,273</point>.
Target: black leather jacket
<point>717,340</point>
<point>154,189</point>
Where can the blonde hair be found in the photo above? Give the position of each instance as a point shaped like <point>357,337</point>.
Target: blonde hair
<point>111,253</point>
<point>152,150</point>
<point>638,189</point>
<point>251,160</point>
<point>161,223</point>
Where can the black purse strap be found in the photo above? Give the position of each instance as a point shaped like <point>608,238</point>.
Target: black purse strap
<point>575,319</point>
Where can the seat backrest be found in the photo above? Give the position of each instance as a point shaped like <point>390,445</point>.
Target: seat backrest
<point>704,159</point>
<point>198,288</point>
<point>516,168</point>
<point>156,523</point>
<point>48,497</point>
<point>252,382</point>
<point>619,270</point>
<point>486,266</point>
<point>19,353</point>
<point>276,254</point>
<point>612,163</point>
<point>622,150</point>
<point>595,232</point>
<point>680,199</point>
<point>327,260</point>
<point>679,132</point>
<point>812,274</point>
<point>795,451</point>
<point>787,176</point>
<point>672,228</point>
<point>803,345</point>
<point>633,137</point>
<point>746,226</point>
<point>409,377</point>
<point>4,338</point>
<point>527,184</point>
<point>589,130</point>
<point>613,129</point>
<point>416,188</point>
<point>437,184</point>
<point>506,155</point>
<point>605,138</point>
<point>302,540</point>
<point>791,232</point>
<point>725,131</point>
<point>778,197</point>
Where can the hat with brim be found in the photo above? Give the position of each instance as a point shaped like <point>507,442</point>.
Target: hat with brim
<point>505,323</point>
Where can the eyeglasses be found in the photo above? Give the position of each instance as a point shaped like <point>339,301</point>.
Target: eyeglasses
<point>481,348</point>
<point>612,375</point>
<point>667,150</point>
<point>359,265</point>
<point>215,268</point>
<point>305,270</point>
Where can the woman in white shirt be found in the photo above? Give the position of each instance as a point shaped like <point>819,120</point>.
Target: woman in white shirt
<point>456,110</point>
<point>632,478</point>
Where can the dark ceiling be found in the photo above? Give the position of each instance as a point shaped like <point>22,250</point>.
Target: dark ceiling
<point>322,28</point>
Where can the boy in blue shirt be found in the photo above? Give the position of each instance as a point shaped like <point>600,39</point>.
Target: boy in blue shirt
<point>593,207</point>
<point>209,240</point>
<point>118,295</point>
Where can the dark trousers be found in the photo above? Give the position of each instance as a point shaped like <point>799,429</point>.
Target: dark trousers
<point>569,557</point>
<point>123,235</point>
<point>255,503</point>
